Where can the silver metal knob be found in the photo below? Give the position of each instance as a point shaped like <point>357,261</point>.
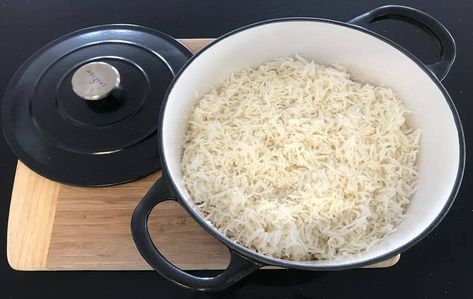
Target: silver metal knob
<point>95,80</point>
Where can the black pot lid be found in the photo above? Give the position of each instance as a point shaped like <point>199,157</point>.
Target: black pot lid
<point>100,127</point>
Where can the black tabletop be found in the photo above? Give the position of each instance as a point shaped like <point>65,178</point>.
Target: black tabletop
<point>439,266</point>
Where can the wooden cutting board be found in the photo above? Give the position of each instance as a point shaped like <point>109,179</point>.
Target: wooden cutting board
<point>52,226</point>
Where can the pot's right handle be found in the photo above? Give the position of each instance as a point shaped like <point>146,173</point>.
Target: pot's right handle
<point>422,20</point>
<point>238,268</point>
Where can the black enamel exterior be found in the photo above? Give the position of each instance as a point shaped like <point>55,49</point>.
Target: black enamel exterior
<point>78,142</point>
<point>158,262</point>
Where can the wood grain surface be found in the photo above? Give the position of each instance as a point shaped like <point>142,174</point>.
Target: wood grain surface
<point>58,227</point>
<point>31,218</point>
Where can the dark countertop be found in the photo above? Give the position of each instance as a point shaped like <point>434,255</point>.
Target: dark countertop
<point>439,266</point>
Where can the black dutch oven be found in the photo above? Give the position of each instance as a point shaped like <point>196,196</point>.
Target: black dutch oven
<point>370,58</point>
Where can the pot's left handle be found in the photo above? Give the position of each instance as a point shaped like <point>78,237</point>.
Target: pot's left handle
<point>238,268</point>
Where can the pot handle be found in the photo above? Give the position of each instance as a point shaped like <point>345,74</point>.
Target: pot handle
<point>424,21</point>
<point>238,268</point>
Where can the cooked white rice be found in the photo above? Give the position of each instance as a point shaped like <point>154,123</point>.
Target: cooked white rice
<point>295,160</point>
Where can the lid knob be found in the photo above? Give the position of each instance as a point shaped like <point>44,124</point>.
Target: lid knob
<point>96,80</point>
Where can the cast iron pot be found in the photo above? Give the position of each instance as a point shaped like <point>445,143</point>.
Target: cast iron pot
<point>370,58</point>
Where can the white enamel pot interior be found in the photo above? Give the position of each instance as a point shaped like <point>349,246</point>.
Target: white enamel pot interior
<point>370,58</point>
